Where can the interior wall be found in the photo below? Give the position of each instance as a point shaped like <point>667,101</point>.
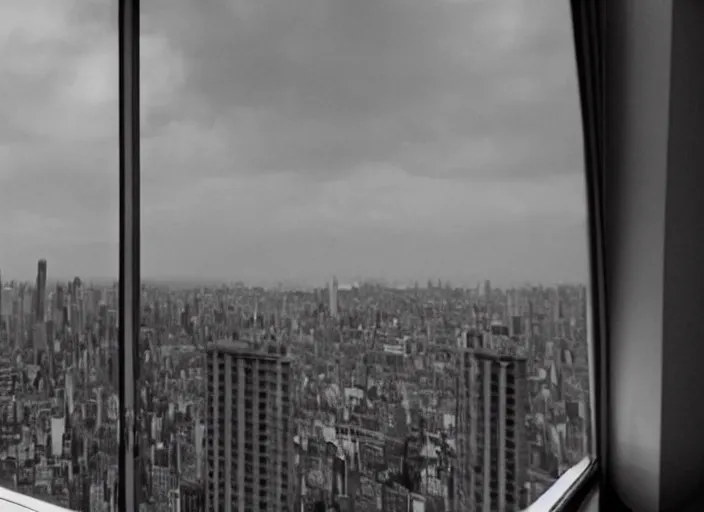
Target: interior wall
<point>682,427</point>
<point>637,99</point>
<point>655,250</point>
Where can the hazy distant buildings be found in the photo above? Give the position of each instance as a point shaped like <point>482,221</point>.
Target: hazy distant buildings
<point>492,458</point>
<point>249,450</point>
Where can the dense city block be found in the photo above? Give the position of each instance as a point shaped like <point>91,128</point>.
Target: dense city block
<point>356,397</point>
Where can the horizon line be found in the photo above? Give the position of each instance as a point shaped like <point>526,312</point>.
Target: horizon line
<point>314,283</point>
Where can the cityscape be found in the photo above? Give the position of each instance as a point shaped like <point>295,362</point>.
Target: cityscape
<point>354,397</point>
<point>363,255</point>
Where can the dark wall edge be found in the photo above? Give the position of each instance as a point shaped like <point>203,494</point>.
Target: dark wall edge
<point>682,430</point>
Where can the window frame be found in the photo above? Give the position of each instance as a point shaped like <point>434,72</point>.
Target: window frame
<point>129,273</point>
<point>581,484</point>
<point>11,501</point>
<point>577,484</point>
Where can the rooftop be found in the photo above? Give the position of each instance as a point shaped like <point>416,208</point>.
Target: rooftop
<point>502,353</point>
<point>249,349</point>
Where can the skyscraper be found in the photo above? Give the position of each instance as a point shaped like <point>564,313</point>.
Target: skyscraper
<point>41,291</point>
<point>249,437</point>
<point>333,297</point>
<point>492,456</point>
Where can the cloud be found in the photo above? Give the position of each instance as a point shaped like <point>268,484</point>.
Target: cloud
<point>443,88</point>
<point>291,126</point>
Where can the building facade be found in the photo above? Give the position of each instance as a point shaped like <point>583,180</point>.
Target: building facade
<point>492,458</point>
<point>249,437</point>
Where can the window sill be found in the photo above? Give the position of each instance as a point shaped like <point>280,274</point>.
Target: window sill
<point>11,501</point>
<point>569,492</point>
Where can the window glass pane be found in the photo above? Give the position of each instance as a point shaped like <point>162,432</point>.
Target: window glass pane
<point>59,251</point>
<point>392,194</point>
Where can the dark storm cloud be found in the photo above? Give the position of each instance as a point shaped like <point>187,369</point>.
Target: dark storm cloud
<point>329,85</point>
<point>297,138</point>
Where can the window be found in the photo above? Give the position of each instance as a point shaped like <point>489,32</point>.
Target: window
<point>59,364</point>
<point>293,172</point>
<point>306,164</point>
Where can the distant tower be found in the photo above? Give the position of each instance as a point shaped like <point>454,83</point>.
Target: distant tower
<point>492,451</point>
<point>41,291</point>
<point>333,297</point>
<point>249,429</point>
<point>513,320</point>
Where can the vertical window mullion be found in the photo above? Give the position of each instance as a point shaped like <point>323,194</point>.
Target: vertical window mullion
<point>129,245</point>
<point>588,26</point>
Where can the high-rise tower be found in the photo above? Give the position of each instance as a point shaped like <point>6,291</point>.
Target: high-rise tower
<point>249,437</point>
<point>492,457</point>
<point>40,306</point>
<point>333,297</point>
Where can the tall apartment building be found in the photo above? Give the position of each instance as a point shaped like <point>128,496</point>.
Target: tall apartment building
<point>492,458</point>
<point>249,429</point>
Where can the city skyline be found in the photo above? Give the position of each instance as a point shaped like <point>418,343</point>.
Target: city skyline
<point>296,285</point>
<point>345,142</point>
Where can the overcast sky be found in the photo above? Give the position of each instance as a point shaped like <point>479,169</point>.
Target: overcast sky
<point>296,139</point>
